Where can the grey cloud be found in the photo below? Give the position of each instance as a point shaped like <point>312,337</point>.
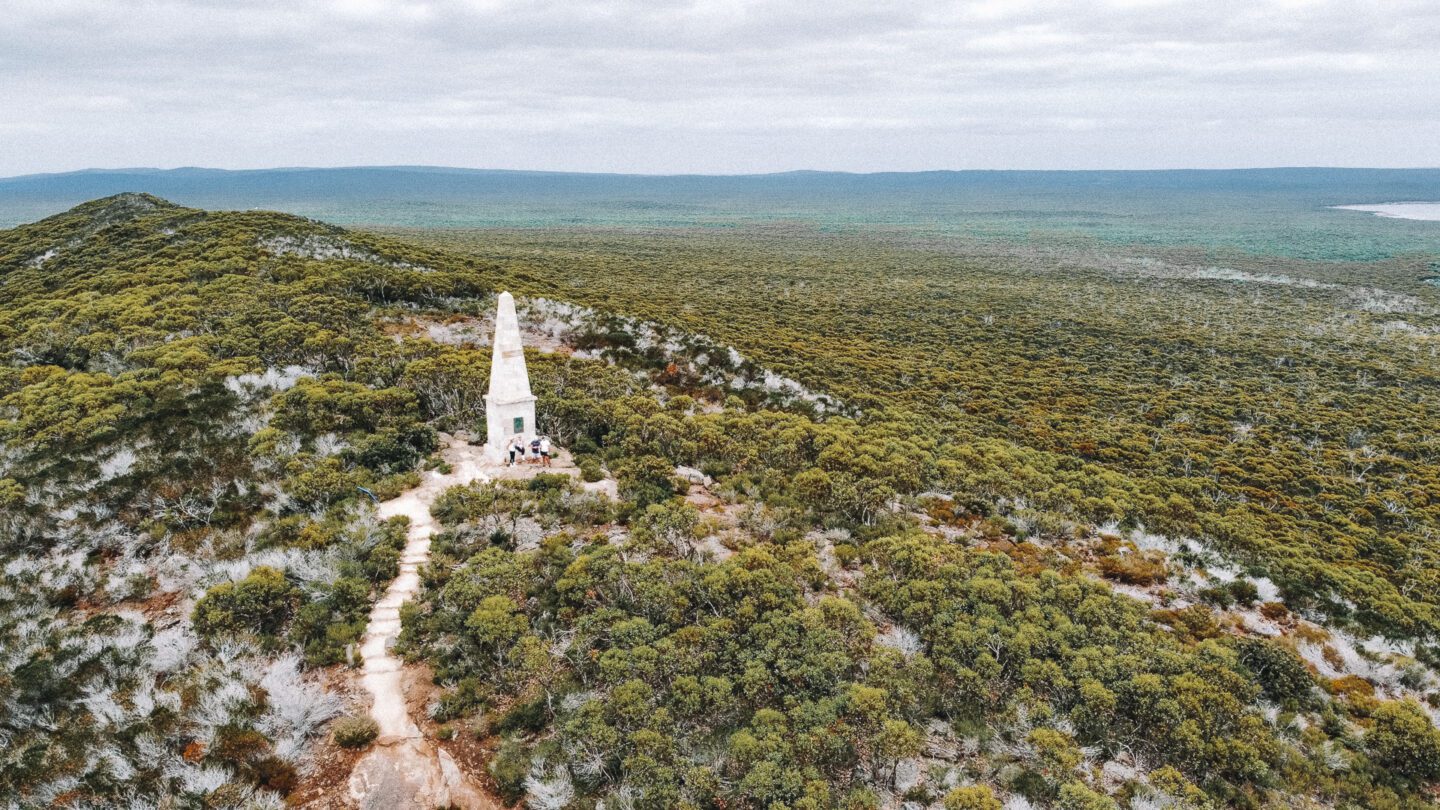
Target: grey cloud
<point>658,85</point>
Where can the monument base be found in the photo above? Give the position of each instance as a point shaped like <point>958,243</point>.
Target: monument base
<point>506,421</point>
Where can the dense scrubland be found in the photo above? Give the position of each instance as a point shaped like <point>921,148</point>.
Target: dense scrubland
<point>1280,411</point>
<point>1275,411</point>
<point>877,538</point>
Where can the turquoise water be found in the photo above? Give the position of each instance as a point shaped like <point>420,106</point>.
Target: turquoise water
<point>1279,212</point>
<point>1210,222</point>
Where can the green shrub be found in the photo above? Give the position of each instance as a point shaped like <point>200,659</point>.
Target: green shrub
<point>1055,748</point>
<point>382,563</point>
<point>467,696</point>
<point>548,482</point>
<point>1075,796</point>
<point>12,494</point>
<point>862,799</point>
<point>1280,671</point>
<point>591,471</point>
<point>261,603</point>
<point>974,797</point>
<point>645,480</point>
<point>355,732</point>
<point>1218,595</point>
<point>1404,740</point>
<point>525,715</point>
<point>1033,785</point>
<point>392,486</point>
<point>1244,592</point>
<point>325,627</point>
<point>510,767</point>
<point>316,483</point>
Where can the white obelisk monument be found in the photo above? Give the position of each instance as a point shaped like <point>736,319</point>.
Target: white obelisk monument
<point>509,407</point>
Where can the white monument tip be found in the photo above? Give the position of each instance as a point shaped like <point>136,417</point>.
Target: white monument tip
<point>509,379</point>
<point>509,406</point>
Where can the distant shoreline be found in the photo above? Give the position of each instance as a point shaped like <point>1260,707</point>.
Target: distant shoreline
<point>1428,211</point>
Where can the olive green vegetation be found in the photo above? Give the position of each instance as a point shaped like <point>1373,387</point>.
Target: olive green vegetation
<point>185,394</point>
<point>1279,410</point>
<point>329,619</point>
<point>355,732</point>
<point>216,388</point>
<point>761,680</point>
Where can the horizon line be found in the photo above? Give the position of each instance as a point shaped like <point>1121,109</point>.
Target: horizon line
<point>660,175</point>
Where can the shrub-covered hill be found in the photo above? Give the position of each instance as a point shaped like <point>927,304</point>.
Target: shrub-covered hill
<point>841,618</point>
<point>192,399</point>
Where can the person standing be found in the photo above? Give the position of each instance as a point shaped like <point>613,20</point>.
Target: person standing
<point>545,451</point>
<point>516,449</point>
<point>535,450</point>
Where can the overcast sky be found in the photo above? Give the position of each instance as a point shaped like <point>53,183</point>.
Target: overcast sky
<point>719,85</point>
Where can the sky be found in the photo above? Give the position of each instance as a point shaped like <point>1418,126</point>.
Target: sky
<point>719,86</point>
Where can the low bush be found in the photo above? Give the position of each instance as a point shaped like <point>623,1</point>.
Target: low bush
<point>1135,568</point>
<point>510,767</point>
<point>974,797</point>
<point>355,732</point>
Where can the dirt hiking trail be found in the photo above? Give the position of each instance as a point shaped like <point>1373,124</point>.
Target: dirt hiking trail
<point>404,769</point>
